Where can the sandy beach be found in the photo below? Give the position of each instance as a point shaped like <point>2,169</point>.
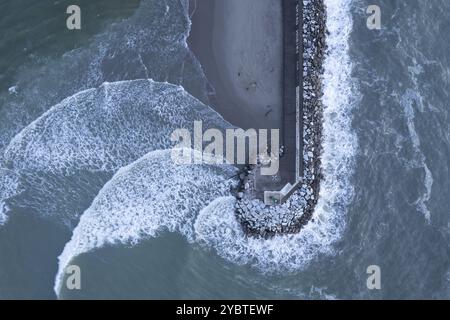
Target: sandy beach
<point>239,45</point>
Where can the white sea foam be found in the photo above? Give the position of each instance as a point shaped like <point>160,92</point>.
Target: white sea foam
<point>106,128</point>
<point>144,198</point>
<point>409,99</point>
<point>9,186</point>
<point>66,155</point>
<point>3,216</point>
<point>217,227</point>
<point>123,214</point>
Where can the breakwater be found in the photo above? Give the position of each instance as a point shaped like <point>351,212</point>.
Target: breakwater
<point>256,218</point>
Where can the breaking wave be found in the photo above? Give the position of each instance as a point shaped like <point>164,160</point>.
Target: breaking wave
<point>9,186</point>
<point>68,153</point>
<point>152,42</point>
<point>106,128</point>
<point>148,196</point>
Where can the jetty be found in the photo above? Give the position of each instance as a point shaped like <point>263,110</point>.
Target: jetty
<point>275,191</point>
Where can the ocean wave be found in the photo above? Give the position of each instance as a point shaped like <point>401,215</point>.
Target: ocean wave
<point>340,99</point>
<point>410,99</point>
<point>106,128</point>
<point>216,227</point>
<point>148,196</point>
<point>74,148</point>
<point>9,186</point>
<point>149,44</point>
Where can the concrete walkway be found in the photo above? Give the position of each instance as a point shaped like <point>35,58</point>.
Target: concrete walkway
<point>291,164</point>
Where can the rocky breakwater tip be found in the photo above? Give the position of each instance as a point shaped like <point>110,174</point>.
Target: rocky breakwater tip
<point>256,218</point>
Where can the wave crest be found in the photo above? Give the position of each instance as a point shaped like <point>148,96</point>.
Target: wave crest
<point>106,128</point>
<point>72,150</point>
<point>144,198</point>
<point>152,42</point>
<point>9,186</point>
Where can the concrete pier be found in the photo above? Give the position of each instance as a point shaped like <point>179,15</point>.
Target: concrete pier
<point>275,191</point>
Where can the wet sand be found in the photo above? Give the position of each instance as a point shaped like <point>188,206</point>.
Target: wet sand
<point>239,45</point>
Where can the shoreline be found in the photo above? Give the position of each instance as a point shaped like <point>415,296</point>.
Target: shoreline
<point>257,219</point>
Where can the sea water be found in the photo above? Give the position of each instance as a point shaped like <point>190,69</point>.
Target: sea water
<point>84,182</point>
